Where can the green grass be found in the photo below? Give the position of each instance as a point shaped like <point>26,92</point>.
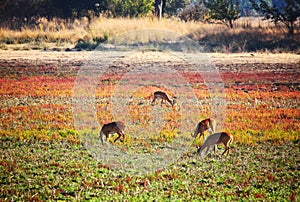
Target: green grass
<point>58,170</point>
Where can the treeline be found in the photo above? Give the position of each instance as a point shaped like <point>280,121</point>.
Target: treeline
<point>73,8</point>
<point>67,9</point>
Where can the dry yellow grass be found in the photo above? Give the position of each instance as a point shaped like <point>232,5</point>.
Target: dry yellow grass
<point>73,31</point>
<point>60,33</point>
<point>66,31</point>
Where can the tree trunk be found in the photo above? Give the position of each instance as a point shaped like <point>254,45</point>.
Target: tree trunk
<point>160,7</point>
<point>230,24</point>
<point>291,28</point>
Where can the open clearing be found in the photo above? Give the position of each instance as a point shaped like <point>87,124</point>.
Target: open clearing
<point>43,158</point>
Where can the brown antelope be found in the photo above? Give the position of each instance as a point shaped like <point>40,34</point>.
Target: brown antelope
<point>215,139</point>
<point>163,96</point>
<point>204,125</point>
<point>112,128</point>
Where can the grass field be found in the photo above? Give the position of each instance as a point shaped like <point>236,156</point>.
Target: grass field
<point>34,170</point>
<point>44,158</point>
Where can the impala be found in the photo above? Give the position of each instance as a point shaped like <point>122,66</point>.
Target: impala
<point>215,139</point>
<point>163,96</point>
<point>204,125</point>
<point>112,128</point>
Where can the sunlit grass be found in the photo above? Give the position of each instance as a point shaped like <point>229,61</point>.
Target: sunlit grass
<point>59,31</point>
<point>249,34</point>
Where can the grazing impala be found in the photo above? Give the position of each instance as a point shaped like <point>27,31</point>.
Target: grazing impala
<point>204,125</point>
<point>163,96</point>
<point>112,128</point>
<point>215,139</point>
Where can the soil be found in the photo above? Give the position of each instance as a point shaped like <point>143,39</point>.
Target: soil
<point>273,68</point>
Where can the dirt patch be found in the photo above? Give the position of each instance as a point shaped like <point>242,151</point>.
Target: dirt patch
<point>26,63</point>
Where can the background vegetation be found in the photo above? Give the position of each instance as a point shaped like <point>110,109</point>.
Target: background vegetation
<point>64,25</point>
<point>248,34</point>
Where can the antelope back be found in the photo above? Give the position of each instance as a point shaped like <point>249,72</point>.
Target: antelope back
<point>225,138</point>
<point>113,127</point>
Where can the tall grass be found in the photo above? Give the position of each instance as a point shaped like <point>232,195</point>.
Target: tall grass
<point>52,31</point>
<point>249,34</point>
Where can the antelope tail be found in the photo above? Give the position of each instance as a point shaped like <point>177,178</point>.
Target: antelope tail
<point>212,124</point>
<point>196,131</point>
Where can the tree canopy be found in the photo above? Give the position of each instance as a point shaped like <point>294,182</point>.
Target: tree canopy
<point>286,12</point>
<point>73,8</point>
<point>225,11</point>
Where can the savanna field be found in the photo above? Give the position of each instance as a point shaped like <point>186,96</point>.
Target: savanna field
<point>43,156</point>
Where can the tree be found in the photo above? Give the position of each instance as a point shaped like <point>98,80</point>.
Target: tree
<point>225,11</point>
<point>44,8</point>
<point>287,13</point>
<point>195,12</point>
<point>159,8</point>
<point>173,6</point>
<point>131,8</point>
